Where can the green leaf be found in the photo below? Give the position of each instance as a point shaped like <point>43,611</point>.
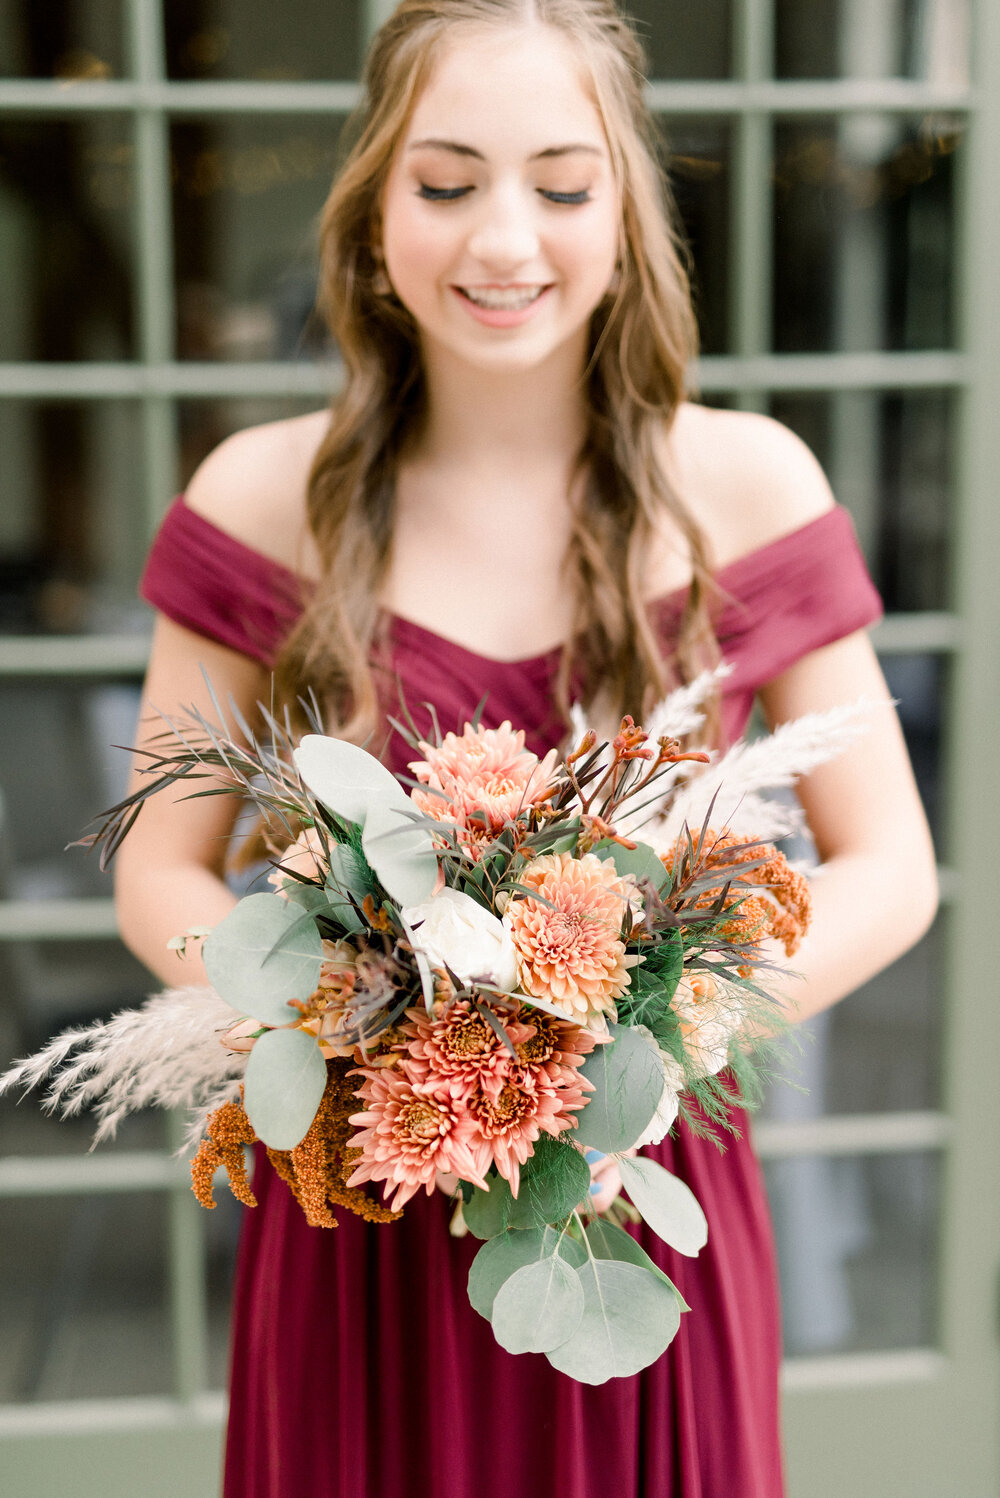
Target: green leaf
<point>628,1085</point>
<point>554,1180</point>
<point>348,780</point>
<point>284,1084</point>
<point>607,1241</point>
<point>497,1260</point>
<point>641,861</point>
<point>349,875</point>
<point>629,1318</point>
<point>486,1213</point>
<point>668,1205</point>
<point>401,852</point>
<point>264,953</point>
<point>538,1308</point>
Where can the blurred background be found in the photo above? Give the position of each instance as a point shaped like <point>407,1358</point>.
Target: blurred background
<point>161,169</point>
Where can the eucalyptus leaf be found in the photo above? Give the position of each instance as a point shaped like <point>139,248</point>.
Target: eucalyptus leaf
<point>667,1204</point>
<point>497,1260</point>
<point>640,861</point>
<point>538,1308</point>
<point>629,1319</point>
<point>262,954</point>
<point>487,1213</point>
<point>348,780</point>
<point>284,1084</point>
<point>608,1241</point>
<point>628,1084</point>
<point>401,852</point>
<point>554,1180</point>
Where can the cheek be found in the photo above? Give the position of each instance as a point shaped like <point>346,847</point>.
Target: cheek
<point>415,246</point>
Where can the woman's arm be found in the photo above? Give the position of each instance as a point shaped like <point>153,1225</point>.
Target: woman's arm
<point>876,893</point>
<point>169,870</point>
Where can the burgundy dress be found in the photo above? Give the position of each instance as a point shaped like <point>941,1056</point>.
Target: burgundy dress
<point>359,1369</point>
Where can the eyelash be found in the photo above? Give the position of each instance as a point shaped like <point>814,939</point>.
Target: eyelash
<point>452,194</point>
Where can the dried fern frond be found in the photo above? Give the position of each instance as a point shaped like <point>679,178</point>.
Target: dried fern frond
<point>164,1054</point>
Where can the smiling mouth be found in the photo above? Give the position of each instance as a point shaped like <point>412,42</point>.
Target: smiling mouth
<point>502,298</point>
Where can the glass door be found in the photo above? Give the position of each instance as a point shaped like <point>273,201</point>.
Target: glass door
<point>837,168</point>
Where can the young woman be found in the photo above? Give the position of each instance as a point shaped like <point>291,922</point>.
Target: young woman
<point>512,496</point>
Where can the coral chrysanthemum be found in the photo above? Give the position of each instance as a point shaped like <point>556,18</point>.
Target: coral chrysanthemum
<point>409,1133</point>
<point>569,949</point>
<point>481,779</point>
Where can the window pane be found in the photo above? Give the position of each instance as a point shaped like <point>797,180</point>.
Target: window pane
<point>683,40</point>
<point>890,459</point>
<point>82,1291</point>
<point>864,233</point>
<point>257,39</point>
<point>697,161</point>
<point>857,1251</point>
<point>877,1051</point>
<point>72,533</point>
<point>82,40</point>
<point>66,204</point>
<point>926,39</point>
<point>246,193</point>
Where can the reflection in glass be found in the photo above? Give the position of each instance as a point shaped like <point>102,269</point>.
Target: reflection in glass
<point>83,1298</point>
<point>923,39</point>
<point>857,1250</point>
<point>864,233</point>
<point>208,39</point>
<point>246,194</point>
<point>697,160</point>
<point>890,459</point>
<point>683,40</point>
<point>77,42</point>
<point>66,204</point>
<point>72,535</point>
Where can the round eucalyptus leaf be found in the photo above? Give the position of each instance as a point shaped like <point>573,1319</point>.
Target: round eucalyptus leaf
<point>628,1084</point>
<point>629,1318</point>
<point>401,852</point>
<point>538,1308</point>
<point>265,952</point>
<point>487,1213</point>
<point>554,1180</point>
<point>607,1241</point>
<point>571,1249</point>
<point>667,1204</point>
<point>348,780</point>
<point>284,1084</point>
<point>640,861</point>
<point>497,1260</point>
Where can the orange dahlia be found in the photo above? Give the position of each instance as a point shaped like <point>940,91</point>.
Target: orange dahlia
<point>409,1133</point>
<point>570,949</point>
<point>481,779</point>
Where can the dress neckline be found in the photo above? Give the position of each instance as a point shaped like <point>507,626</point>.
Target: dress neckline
<point>739,571</point>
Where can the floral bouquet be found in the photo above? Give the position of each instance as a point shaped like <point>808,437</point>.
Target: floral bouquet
<point>472,984</point>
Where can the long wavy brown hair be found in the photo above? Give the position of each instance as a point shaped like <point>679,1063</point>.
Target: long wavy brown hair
<point>642,338</point>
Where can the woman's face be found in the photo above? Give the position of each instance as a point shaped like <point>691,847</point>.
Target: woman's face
<point>501,214</point>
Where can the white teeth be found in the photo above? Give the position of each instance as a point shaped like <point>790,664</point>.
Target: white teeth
<point>503,298</point>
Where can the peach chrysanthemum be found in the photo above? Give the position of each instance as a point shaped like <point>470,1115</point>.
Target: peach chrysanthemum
<point>570,949</point>
<point>481,779</point>
<point>459,1048</point>
<point>409,1133</point>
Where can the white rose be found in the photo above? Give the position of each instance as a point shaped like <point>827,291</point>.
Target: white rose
<point>454,930</point>
<point>710,1012</point>
<point>673,1085</point>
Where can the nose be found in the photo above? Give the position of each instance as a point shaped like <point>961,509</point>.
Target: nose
<point>505,235</point>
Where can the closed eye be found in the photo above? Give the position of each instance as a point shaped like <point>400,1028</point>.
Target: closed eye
<point>442,194</point>
<point>566,197</point>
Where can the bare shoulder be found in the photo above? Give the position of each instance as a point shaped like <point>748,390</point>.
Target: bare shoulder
<point>253,485</point>
<point>747,478</point>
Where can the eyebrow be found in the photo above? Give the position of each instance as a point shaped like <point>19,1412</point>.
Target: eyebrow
<point>458,149</point>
